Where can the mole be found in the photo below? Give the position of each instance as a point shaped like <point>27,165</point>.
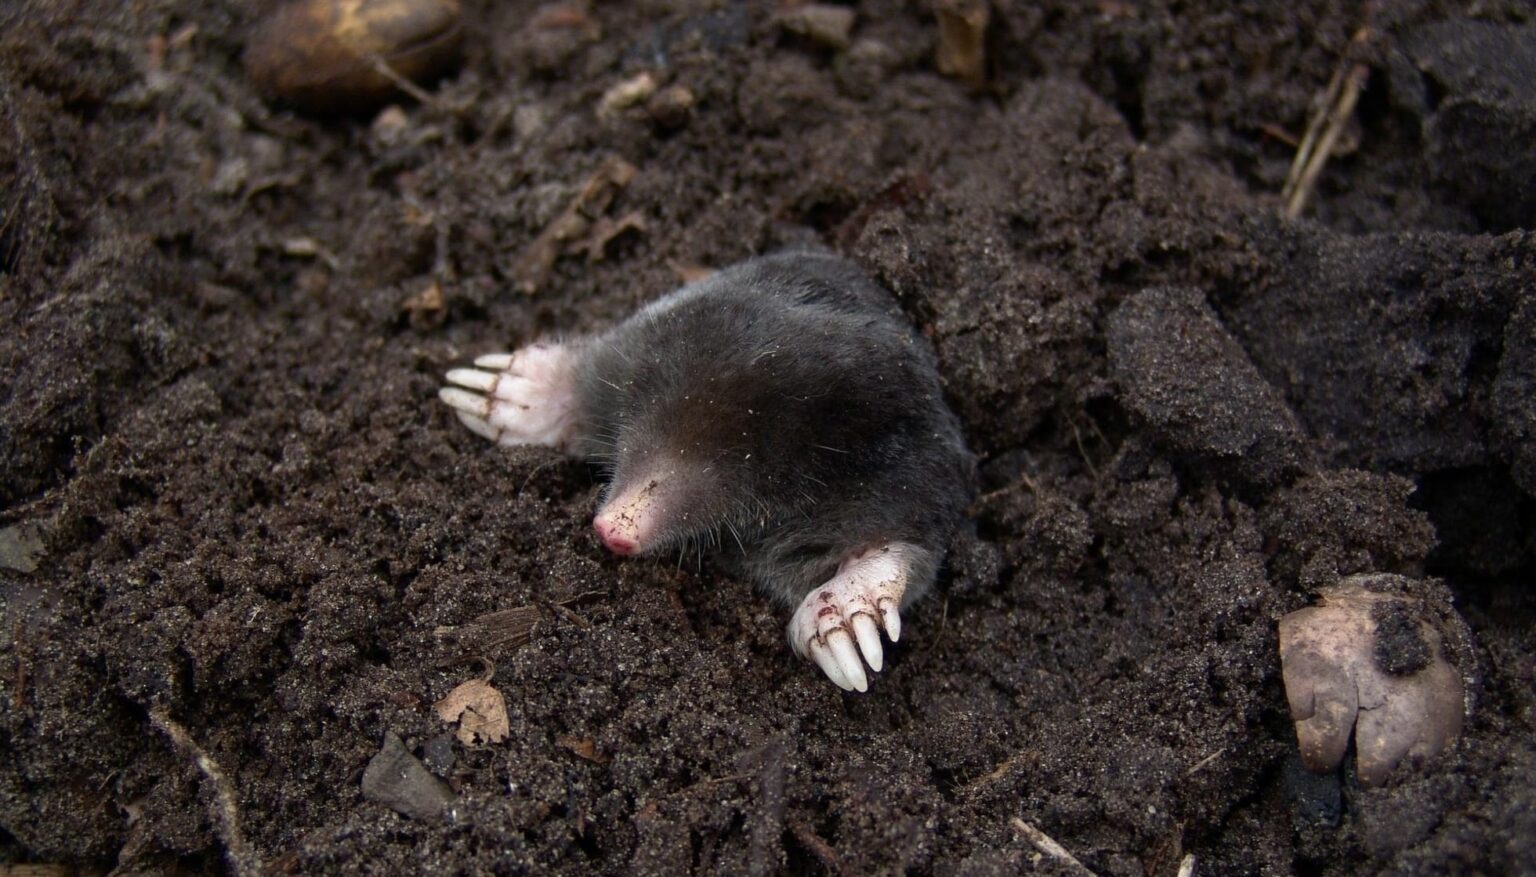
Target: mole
<point>782,412</point>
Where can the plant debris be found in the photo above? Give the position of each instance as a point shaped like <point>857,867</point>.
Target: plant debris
<point>572,231</point>
<point>480,711</point>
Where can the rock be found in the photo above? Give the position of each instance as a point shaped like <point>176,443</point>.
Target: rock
<point>396,779</point>
<point>338,55</point>
<point>1365,659</point>
<point>20,547</point>
<point>821,23</point>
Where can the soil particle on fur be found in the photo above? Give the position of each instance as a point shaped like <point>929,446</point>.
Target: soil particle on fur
<point>218,425</point>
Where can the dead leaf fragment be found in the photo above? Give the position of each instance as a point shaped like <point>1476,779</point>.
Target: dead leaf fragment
<point>568,234</point>
<point>427,304</point>
<point>583,747</point>
<point>605,231</point>
<point>480,711</point>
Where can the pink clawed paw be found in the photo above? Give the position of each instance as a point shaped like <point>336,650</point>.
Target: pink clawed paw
<point>522,398</point>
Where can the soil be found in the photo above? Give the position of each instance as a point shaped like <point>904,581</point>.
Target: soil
<point>233,508</point>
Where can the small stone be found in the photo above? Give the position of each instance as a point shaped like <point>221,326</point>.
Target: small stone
<point>821,23</point>
<point>20,547</point>
<point>626,94</point>
<point>1336,688</point>
<point>529,119</point>
<point>390,125</point>
<point>396,779</point>
<point>672,107</point>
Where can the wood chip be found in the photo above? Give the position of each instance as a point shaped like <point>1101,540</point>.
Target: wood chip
<point>493,633</point>
<point>962,50</point>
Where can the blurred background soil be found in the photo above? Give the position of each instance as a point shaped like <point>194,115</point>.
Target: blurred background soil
<point>232,505</point>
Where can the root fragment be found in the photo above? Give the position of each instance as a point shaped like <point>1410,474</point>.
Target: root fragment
<point>1330,116</point>
<point>224,813</point>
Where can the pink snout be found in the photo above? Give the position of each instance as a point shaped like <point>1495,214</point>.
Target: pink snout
<point>614,537</point>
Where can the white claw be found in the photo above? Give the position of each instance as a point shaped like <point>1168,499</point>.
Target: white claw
<point>847,657</point>
<point>465,401</point>
<point>828,665</point>
<point>477,426</point>
<point>473,378</point>
<point>522,398</point>
<point>838,624</point>
<point>868,635</point>
<point>496,362</point>
<point>892,620</point>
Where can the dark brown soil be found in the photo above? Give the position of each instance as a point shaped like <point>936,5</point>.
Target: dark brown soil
<point>249,516</point>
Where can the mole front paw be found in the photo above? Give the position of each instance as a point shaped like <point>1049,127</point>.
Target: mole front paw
<point>522,398</point>
<point>838,624</point>
<point>1365,660</point>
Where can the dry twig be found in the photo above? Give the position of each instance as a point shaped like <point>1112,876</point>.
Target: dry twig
<point>1045,844</point>
<point>1330,114</point>
<point>819,848</point>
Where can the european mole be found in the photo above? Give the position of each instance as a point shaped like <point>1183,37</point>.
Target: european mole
<point>782,410</point>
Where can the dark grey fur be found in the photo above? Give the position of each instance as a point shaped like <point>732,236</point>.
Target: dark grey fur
<point>805,410</point>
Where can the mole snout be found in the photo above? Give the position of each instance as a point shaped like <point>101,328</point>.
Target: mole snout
<point>782,412</point>
<point>614,538</point>
<point>629,521</point>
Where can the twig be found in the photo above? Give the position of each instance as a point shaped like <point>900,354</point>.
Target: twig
<point>1333,110</point>
<point>1204,762</point>
<point>381,67</point>
<point>1045,844</point>
<point>1078,437</point>
<point>819,848</point>
<point>243,860</point>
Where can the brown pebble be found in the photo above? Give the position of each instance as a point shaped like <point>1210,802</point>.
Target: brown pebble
<point>351,55</point>
<point>822,23</point>
<point>672,107</point>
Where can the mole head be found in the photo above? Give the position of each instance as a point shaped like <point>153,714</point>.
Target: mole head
<point>688,452</point>
<point>660,501</point>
